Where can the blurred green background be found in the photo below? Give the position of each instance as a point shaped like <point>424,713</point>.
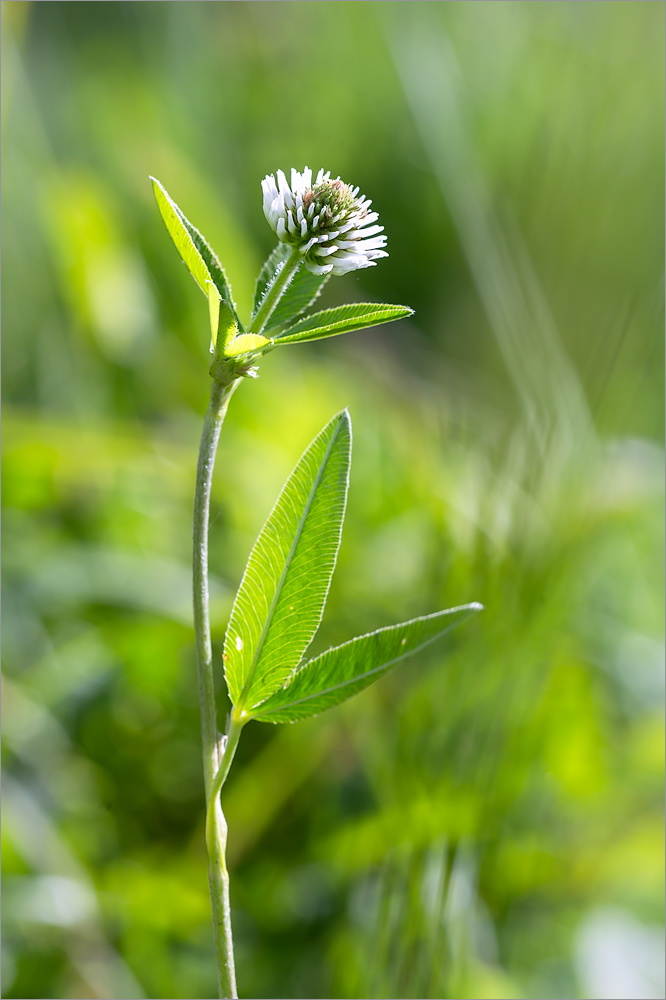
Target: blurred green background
<point>488,820</point>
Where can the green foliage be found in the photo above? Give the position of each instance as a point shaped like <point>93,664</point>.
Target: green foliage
<point>455,832</point>
<point>340,673</point>
<point>281,598</point>
<point>282,595</point>
<point>221,318</point>
<point>275,259</point>
<point>216,270</point>
<point>195,252</point>
<point>302,293</point>
<point>182,238</point>
<point>331,322</point>
<point>246,343</point>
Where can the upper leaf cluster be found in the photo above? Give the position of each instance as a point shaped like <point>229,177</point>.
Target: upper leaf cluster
<point>230,340</point>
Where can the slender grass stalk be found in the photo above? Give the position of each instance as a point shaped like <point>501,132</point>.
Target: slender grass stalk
<point>216,827</point>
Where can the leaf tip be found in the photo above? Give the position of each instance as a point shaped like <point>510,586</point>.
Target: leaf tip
<point>343,419</point>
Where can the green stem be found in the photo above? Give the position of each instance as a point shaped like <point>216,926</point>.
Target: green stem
<point>218,876</point>
<point>230,744</point>
<point>275,291</point>
<point>218,879</point>
<point>216,766</point>
<point>217,871</point>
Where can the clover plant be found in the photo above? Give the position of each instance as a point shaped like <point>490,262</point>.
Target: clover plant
<point>324,227</point>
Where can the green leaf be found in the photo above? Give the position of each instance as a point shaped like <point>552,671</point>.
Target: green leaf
<point>173,220</point>
<point>281,598</point>
<point>275,258</point>
<point>345,670</point>
<point>244,344</point>
<point>186,236</point>
<point>343,319</point>
<point>221,318</point>
<point>217,273</point>
<point>303,291</point>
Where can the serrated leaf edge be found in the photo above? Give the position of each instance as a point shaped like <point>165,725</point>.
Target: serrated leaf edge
<point>171,203</point>
<point>342,418</point>
<point>281,251</point>
<point>225,294</point>
<point>471,608</point>
<point>302,331</point>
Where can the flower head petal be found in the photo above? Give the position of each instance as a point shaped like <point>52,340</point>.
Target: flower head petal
<point>314,216</point>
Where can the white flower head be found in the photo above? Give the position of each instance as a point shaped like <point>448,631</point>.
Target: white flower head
<point>328,221</point>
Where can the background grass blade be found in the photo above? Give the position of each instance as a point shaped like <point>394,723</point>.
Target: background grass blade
<point>303,291</point>
<point>281,598</point>
<point>343,319</point>
<point>342,672</point>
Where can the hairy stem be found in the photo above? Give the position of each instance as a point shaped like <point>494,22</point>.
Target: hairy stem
<point>216,763</point>
<point>275,291</point>
<point>216,842</point>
